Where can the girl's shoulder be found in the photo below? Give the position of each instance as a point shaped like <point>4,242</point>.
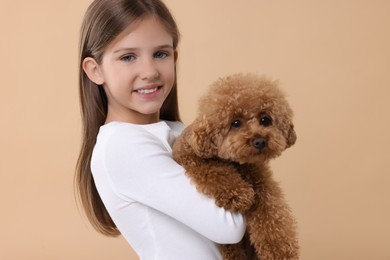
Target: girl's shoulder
<point>117,126</point>
<point>176,126</point>
<point>122,130</point>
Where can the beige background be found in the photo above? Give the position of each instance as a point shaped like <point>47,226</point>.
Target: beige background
<point>331,57</point>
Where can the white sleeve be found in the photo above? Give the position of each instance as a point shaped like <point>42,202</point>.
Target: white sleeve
<point>143,170</point>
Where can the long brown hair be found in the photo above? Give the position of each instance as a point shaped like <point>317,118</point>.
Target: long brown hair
<point>103,21</point>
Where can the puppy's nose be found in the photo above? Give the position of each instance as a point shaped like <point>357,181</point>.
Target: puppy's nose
<point>259,143</point>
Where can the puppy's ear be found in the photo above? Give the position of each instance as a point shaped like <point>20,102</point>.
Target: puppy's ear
<point>291,137</point>
<point>203,139</point>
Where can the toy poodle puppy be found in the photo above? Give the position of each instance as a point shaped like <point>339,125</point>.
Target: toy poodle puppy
<point>242,123</point>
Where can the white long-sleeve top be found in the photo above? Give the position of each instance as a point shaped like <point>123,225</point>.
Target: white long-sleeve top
<point>151,200</point>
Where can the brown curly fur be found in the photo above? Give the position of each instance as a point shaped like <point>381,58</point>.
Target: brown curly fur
<point>243,122</point>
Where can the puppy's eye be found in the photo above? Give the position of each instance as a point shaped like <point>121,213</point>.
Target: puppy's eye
<point>236,123</point>
<point>265,120</point>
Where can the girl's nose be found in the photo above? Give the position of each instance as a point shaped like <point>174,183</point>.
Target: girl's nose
<point>149,70</point>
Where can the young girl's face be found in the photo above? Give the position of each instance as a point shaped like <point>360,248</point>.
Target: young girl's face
<point>137,72</point>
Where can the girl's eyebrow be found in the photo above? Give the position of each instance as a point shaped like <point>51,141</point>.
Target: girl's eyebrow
<point>164,46</point>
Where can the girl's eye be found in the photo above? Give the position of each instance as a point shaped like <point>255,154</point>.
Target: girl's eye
<point>236,123</point>
<point>160,55</point>
<point>265,120</point>
<point>127,58</point>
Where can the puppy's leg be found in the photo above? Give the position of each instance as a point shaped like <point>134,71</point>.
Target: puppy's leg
<point>240,251</point>
<point>233,252</point>
<point>221,181</point>
<point>215,178</point>
<point>270,223</point>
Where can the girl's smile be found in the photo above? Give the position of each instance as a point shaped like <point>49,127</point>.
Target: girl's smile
<point>148,90</point>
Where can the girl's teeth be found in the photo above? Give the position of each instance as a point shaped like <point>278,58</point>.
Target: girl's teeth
<point>146,91</point>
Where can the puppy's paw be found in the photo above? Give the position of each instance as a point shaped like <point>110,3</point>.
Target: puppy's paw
<point>240,198</point>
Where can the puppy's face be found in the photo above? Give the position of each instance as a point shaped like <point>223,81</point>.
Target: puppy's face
<point>244,119</point>
<point>255,135</point>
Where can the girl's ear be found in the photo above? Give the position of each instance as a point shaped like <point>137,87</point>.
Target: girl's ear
<point>92,69</point>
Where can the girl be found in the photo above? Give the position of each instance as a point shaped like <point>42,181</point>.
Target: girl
<point>126,178</point>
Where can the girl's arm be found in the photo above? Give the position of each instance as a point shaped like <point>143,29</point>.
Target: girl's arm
<point>142,169</point>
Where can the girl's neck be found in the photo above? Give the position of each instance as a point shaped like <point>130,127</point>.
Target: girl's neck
<point>140,119</point>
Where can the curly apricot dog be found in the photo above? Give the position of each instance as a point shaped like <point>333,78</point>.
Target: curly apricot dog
<point>243,122</point>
